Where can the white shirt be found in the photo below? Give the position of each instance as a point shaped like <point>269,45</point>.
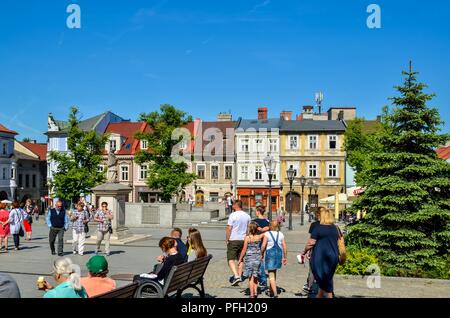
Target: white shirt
<point>270,241</point>
<point>239,220</point>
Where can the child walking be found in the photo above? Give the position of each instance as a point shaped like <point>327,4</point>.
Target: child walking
<point>251,255</point>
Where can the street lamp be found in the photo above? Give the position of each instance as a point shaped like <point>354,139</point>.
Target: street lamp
<point>310,186</point>
<point>316,188</point>
<point>290,176</point>
<point>270,165</point>
<point>302,183</point>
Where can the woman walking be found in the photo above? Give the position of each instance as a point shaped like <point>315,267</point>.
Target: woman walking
<point>80,219</point>
<point>104,229</point>
<point>67,277</point>
<point>198,249</point>
<point>28,219</point>
<point>325,252</point>
<point>274,250</point>
<point>251,256</point>
<point>4,227</point>
<point>15,221</point>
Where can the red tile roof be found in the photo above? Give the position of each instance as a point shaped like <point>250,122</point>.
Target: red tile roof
<point>38,149</point>
<point>128,130</point>
<point>3,129</point>
<point>443,153</point>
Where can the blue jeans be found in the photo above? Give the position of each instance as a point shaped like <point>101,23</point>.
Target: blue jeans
<point>262,277</point>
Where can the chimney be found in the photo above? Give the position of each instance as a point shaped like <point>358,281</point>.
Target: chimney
<point>286,115</point>
<point>262,113</point>
<point>308,112</point>
<point>224,117</point>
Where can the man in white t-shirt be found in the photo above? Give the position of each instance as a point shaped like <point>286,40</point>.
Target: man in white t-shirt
<point>237,227</point>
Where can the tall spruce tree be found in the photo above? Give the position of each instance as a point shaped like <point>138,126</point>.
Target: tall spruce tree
<point>407,202</point>
<point>77,170</point>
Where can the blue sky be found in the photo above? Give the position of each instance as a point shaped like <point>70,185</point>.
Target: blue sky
<point>209,56</point>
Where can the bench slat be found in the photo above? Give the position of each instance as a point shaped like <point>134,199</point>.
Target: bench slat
<point>123,292</point>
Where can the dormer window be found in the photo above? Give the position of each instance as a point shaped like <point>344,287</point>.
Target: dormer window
<point>4,149</point>
<point>144,144</point>
<point>112,145</point>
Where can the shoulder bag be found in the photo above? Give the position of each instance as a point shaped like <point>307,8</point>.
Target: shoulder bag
<point>341,247</point>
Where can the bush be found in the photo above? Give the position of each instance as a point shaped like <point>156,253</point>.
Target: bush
<point>358,262</point>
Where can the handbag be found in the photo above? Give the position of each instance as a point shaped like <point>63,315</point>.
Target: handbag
<point>21,232</point>
<point>274,256</point>
<point>341,248</point>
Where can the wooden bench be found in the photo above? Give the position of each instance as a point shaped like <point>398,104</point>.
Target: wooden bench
<point>128,291</point>
<point>180,278</point>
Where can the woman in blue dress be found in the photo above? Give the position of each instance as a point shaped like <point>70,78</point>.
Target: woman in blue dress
<point>325,253</point>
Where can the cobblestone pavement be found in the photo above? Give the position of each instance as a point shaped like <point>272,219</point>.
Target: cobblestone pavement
<point>35,260</point>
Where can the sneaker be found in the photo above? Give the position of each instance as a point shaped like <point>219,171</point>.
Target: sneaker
<point>81,254</point>
<point>75,253</point>
<point>236,281</point>
<point>306,289</point>
<point>231,279</point>
<point>53,253</point>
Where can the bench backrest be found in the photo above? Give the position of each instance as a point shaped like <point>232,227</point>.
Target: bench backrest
<point>127,291</point>
<point>182,275</point>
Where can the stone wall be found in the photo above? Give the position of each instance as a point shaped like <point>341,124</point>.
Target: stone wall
<point>149,215</point>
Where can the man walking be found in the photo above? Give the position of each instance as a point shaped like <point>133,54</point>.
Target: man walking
<point>58,222</point>
<point>104,228</point>
<point>238,222</point>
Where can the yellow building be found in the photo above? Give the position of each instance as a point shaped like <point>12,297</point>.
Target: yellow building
<point>315,150</point>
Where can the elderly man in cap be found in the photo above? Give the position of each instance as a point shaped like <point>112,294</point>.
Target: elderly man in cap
<point>97,282</point>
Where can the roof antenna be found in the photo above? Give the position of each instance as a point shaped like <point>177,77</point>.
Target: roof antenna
<point>319,100</point>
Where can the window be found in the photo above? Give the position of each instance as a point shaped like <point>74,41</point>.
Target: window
<point>332,170</point>
<point>244,145</point>
<point>112,145</point>
<point>183,144</point>
<point>258,173</point>
<point>143,172</point>
<point>101,168</point>
<point>228,172</point>
<point>293,142</point>
<point>312,170</point>
<point>273,145</point>
<point>214,172</point>
<point>201,172</point>
<point>124,173</point>
<point>27,181</point>
<point>332,142</point>
<point>4,148</point>
<point>312,142</point>
<point>34,181</point>
<point>13,173</point>
<point>144,144</point>
<point>244,173</point>
<point>259,145</point>
<point>214,196</point>
<point>20,181</point>
<point>4,173</point>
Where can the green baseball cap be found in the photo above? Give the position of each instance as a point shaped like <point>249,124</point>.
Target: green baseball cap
<point>97,264</point>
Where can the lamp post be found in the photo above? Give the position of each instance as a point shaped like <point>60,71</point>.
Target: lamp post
<point>302,183</point>
<point>290,176</point>
<point>310,186</point>
<point>316,188</point>
<point>270,165</point>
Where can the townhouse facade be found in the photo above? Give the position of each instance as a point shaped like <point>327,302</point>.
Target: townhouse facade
<point>125,146</point>
<point>31,177</point>
<point>213,160</point>
<point>8,184</point>
<point>255,139</point>
<point>314,149</point>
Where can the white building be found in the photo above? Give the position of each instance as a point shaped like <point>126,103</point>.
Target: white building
<point>8,184</point>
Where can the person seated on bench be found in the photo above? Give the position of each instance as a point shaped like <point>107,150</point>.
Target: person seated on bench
<point>198,250</point>
<point>176,233</point>
<point>171,258</point>
<point>97,283</point>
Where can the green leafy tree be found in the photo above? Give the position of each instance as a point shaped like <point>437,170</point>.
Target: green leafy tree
<point>77,170</point>
<point>26,139</point>
<point>164,173</point>
<point>407,199</point>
